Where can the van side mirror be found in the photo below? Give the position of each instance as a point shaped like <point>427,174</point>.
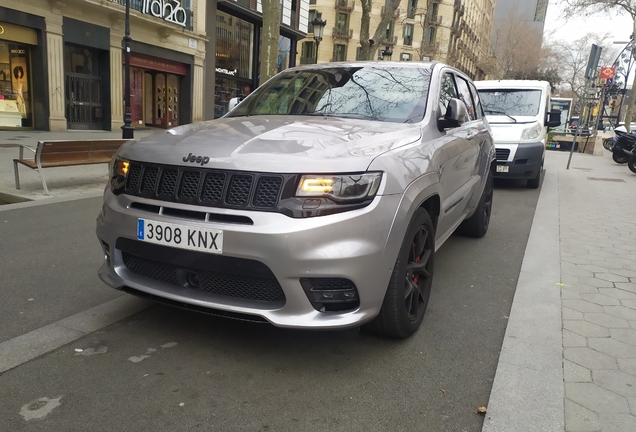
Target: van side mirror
<point>554,118</point>
<point>456,115</point>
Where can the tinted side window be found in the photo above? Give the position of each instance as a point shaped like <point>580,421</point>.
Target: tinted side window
<point>447,93</point>
<point>465,96</point>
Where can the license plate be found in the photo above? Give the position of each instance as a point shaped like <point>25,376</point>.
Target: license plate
<point>502,168</point>
<point>180,236</point>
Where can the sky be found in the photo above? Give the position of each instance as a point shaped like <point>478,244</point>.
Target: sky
<point>618,25</point>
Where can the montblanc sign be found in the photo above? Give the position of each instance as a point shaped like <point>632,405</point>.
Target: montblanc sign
<point>168,10</point>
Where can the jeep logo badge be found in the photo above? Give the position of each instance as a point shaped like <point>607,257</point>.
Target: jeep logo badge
<point>196,159</point>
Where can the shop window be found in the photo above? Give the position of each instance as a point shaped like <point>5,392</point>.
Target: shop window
<point>234,46</point>
<point>15,102</point>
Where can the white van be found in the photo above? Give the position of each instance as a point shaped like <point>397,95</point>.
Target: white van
<point>519,115</point>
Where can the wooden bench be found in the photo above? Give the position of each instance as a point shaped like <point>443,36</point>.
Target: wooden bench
<point>60,153</point>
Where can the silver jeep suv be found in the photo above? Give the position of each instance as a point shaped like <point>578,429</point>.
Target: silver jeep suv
<point>318,202</point>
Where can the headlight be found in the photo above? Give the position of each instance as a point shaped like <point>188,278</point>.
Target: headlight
<point>531,132</point>
<point>119,169</point>
<point>340,186</point>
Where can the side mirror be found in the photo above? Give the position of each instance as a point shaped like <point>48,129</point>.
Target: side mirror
<point>456,115</point>
<point>554,118</point>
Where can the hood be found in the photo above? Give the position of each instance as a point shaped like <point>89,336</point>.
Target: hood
<point>504,129</point>
<point>283,144</point>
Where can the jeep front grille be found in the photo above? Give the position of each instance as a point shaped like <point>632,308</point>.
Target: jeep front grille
<point>202,186</point>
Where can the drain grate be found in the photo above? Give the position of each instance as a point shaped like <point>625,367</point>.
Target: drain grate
<point>606,179</point>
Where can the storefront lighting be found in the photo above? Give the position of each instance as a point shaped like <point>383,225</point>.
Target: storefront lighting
<point>319,27</point>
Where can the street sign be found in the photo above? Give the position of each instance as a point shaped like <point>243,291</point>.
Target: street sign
<point>592,62</point>
<point>609,81</point>
<point>607,72</point>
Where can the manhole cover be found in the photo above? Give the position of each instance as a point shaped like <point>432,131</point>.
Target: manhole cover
<point>606,179</point>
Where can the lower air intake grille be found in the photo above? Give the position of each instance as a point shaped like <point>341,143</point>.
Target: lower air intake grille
<point>248,287</point>
<point>502,154</point>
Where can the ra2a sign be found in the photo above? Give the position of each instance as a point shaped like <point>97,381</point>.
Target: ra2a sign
<point>168,10</point>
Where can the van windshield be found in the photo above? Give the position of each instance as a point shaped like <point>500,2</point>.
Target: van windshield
<point>511,102</point>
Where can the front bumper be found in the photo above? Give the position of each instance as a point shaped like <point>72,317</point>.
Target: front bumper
<point>350,245</point>
<point>524,160</point>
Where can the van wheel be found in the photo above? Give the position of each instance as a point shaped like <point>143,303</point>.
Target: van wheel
<point>535,182</point>
<point>409,288</point>
<point>477,225</point>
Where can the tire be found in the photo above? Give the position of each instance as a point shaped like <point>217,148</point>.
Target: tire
<point>619,156</point>
<point>631,163</point>
<point>409,288</point>
<point>535,182</point>
<point>477,225</point>
<point>608,144</point>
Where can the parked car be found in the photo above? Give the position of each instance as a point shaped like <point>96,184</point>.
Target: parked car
<point>519,113</point>
<point>318,202</point>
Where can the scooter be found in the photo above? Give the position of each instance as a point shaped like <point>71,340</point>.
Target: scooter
<point>631,162</point>
<point>623,147</point>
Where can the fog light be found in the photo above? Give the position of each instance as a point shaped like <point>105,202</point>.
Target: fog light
<point>331,294</point>
<point>106,249</point>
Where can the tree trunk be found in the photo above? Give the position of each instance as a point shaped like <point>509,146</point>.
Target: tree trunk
<point>269,40</point>
<point>379,36</point>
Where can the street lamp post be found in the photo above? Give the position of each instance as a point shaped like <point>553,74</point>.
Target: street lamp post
<point>319,27</point>
<point>127,131</point>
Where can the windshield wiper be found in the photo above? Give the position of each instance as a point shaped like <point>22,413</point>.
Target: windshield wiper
<point>488,111</point>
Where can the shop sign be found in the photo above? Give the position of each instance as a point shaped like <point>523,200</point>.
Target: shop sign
<point>226,72</point>
<point>168,10</point>
<point>157,64</point>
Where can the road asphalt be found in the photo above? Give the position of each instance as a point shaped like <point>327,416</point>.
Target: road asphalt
<point>568,359</point>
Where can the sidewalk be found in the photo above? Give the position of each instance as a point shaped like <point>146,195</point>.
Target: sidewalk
<point>83,180</point>
<point>568,360</point>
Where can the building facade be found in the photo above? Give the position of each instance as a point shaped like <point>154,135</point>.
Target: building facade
<point>456,32</point>
<point>62,61</point>
<point>71,54</point>
<point>232,63</point>
<point>532,12</point>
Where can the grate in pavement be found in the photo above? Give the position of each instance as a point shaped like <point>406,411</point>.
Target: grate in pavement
<point>606,179</point>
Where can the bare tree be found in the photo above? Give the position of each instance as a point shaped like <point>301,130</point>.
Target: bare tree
<point>573,56</point>
<point>368,44</point>
<point>517,47</point>
<point>594,6</point>
<point>269,39</point>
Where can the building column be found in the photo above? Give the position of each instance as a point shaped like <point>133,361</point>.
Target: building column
<point>198,88</point>
<point>116,79</point>
<point>55,63</point>
<point>210,61</point>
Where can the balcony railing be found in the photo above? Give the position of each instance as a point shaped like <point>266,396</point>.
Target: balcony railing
<point>345,5</point>
<point>391,40</point>
<point>339,32</point>
<point>396,14</point>
<point>430,47</point>
<point>308,60</point>
<point>410,13</point>
<point>408,40</point>
<point>434,21</point>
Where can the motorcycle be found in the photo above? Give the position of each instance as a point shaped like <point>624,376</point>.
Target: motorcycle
<point>631,163</point>
<point>623,146</point>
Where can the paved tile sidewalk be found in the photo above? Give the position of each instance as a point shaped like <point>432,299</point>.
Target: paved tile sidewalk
<point>84,180</point>
<point>595,209</point>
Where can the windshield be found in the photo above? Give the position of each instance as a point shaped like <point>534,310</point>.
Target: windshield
<point>389,94</point>
<point>510,102</point>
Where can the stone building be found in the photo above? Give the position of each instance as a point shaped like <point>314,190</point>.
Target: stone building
<point>456,32</point>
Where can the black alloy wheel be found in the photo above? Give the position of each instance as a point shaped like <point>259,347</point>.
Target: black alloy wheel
<point>631,163</point>
<point>418,273</point>
<point>410,285</point>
